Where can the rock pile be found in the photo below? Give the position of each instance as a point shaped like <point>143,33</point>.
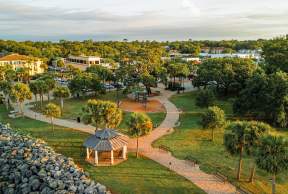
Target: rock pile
<point>27,165</point>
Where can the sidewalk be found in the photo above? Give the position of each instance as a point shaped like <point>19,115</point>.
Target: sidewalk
<point>209,183</point>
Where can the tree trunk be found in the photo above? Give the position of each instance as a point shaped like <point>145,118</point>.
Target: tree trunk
<point>52,125</point>
<point>35,96</point>
<point>117,97</point>
<point>137,150</point>
<point>212,137</point>
<point>240,164</point>
<point>21,109</point>
<point>62,103</point>
<point>7,101</point>
<point>274,184</point>
<point>41,100</point>
<point>48,95</point>
<point>19,106</point>
<point>252,174</point>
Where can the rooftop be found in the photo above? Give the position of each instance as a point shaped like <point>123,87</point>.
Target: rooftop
<point>106,140</point>
<point>15,57</point>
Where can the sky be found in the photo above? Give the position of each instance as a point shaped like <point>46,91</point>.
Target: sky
<point>142,19</point>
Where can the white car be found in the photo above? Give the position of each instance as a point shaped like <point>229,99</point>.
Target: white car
<point>108,86</point>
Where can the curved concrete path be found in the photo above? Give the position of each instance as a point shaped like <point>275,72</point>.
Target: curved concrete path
<point>209,183</point>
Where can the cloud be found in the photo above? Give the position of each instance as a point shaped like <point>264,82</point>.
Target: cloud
<point>184,20</point>
<point>191,7</point>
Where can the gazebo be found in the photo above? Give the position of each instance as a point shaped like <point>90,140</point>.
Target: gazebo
<point>107,147</point>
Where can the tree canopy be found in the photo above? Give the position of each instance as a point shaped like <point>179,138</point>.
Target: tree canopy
<point>265,97</point>
<point>275,53</point>
<point>227,74</point>
<point>103,114</point>
<point>213,119</point>
<point>243,136</point>
<point>273,157</point>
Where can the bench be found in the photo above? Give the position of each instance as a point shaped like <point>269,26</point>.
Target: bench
<point>221,177</point>
<point>165,148</point>
<point>242,190</point>
<point>177,124</point>
<point>157,92</point>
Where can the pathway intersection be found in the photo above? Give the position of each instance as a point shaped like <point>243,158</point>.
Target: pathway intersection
<point>207,182</point>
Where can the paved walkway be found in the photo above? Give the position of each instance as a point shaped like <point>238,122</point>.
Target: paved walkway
<point>209,183</point>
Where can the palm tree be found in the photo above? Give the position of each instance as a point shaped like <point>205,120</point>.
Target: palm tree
<point>102,114</point>
<point>273,157</point>
<point>42,88</point>
<point>61,93</point>
<point>5,87</point>
<point>244,136</point>
<point>52,111</point>
<point>139,124</point>
<point>21,92</point>
<point>23,74</point>
<point>51,84</point>
<point>35,90</point>
<point>256,131</point>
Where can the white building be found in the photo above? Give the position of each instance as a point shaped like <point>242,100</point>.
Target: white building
<point>234,55</point>
<point>83,62</point>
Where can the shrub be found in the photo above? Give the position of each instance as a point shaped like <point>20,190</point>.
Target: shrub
<point>206,98</point>
<point>213,119</point>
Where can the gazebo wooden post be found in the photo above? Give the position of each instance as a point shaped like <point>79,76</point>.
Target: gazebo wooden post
<point>124,151</point>
<point>87,153</point>
<point>112,157</point>
<point>96,158</point>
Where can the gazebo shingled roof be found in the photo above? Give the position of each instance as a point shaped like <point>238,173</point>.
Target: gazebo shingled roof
<point>106,140</point>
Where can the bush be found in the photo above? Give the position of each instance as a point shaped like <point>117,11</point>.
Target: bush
<point>206,98</point>
<point>213,119</point>
<point>173,86</point>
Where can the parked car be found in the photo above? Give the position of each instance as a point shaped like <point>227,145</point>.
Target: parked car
<point>108,86</point>
<point>118,85</point>
<point>14,114</point>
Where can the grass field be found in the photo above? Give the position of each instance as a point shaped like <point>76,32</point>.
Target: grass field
<point>190,141</point>
<point>73,106</point>
<point>156,118</point>
<point>73,109</point>
<point>131,177</point>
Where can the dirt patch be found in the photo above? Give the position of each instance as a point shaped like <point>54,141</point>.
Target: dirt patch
<point>133,106</point>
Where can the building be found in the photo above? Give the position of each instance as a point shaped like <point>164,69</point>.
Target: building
<point>82,62</point>
<point>35,65</point>
<point>213,50</point>
<point>233,55</point>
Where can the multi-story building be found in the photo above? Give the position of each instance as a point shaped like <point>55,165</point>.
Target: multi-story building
<point>35,65</point>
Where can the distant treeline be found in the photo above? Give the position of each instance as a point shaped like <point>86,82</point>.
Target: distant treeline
<point>115,50</point>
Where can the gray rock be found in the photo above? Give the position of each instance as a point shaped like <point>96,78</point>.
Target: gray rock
<point>42,173</point>
<point>72,188</point>
<point>52,184</point>
<point>29,166</point>
<point>101,189</point>
<point>35,184</point>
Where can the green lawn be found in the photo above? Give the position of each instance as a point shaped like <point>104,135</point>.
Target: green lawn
<point>133,176</point>
<point>190,141</point>
<point>156,118</point>
<point>73,106</point>
<point>73,109</point>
